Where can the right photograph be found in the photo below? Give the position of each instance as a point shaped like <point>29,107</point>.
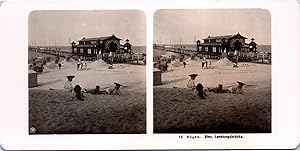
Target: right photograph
<point>212,71</point>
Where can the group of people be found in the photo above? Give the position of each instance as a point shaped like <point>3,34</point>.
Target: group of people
<point>199,88</point>
<point>204,62</point>
<point>81,66</point>
<point>78,91</point>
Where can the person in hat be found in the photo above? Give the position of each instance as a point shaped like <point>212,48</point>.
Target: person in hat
<point>115,90</point>
<point>191,84</point>
<point>68,85</point>
<point>78,93</point>
<point>238,89</point>
<point>200,92</point>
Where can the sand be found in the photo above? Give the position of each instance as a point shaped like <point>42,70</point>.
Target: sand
<point>179,110</point>
<point>59,112</point>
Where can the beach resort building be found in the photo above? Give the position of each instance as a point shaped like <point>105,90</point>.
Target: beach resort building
<point>216,45</point>
<point>96,48</point>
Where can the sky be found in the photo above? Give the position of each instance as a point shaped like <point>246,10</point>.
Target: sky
<point>52,28</point>
<point>175,26</point>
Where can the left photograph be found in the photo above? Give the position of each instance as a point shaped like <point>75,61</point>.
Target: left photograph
<point>87,72</point>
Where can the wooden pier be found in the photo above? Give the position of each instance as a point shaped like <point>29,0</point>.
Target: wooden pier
<point>132,58</point>
<point>259,57</point>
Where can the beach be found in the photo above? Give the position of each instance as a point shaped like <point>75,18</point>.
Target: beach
<point>178,109</point>
<point>53,110</point>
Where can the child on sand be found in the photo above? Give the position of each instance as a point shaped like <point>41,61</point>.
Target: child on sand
<point>191,84</point>
<point>94,91</point>
<point>200,92</point>
<point>232,89</point>
<point>218,89</point>
<point>78,93</point>
<point>68,85</point>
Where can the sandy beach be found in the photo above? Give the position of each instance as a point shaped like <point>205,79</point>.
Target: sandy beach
<point>178,109</point>
<point>53,110</point>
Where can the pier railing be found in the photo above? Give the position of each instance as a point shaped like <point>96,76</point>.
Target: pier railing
<point>259,57</point>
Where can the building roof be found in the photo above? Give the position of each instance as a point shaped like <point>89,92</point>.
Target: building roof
<point>225,37</point>
<point>220,37</point>
<point>127,44</point>
<point>100,38</point>
<point>88,39</point>
<point>211,44</point>
<point>252,43</point>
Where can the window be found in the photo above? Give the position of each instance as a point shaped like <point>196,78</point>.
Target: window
<point>75,49</point>
<point>218,40</point>
<point>214,49</point>
<point>206,48</point>
<point>93,42</point>
<point>81,50</point>
<point>89,51</point>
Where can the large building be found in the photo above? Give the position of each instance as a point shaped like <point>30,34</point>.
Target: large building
<point>95,48</point>
<point>216,45</point>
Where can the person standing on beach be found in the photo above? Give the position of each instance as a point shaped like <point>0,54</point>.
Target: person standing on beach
<point>184,64</point>
<point>191,84</point>
<point>59,65</point>
<point>78,64</point>
<point>204,62</point>
<point>85,66</point>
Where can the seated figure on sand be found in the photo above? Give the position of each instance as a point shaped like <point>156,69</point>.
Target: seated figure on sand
<point>191,84</point>
<point>68,85</point>
<point>218,89</point>
<point>238,89</point>
<point>200,92</point>
<point>232,89</point>
<point>115,90</point>
<point>78,93</point>
<point>96,91</point>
